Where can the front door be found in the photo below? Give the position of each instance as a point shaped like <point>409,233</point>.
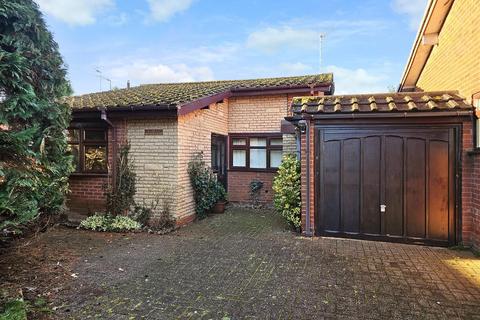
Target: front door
<point>391,183</point>
<point>219,159</point>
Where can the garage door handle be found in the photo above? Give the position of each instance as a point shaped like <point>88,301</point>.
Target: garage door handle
<point>383,208</point>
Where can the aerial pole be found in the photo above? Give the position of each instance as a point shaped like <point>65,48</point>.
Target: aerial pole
<point>320,57</point>
<point>101,77</point>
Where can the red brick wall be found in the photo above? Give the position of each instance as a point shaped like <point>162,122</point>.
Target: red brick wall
<point>239,185</point>
<point>470,188</point>
<point>304,180</point>
<point>475,201</point>
<point>244,117</point>
<point>87,188</point>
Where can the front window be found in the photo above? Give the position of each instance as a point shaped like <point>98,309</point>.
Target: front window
<point>255,152</point>
<point>89,149</point>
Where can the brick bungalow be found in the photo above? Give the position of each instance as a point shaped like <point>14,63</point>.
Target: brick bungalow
<point>403,166</point>
<point>236,124</point>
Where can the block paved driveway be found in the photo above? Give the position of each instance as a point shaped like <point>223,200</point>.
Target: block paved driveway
<point>245,265</point>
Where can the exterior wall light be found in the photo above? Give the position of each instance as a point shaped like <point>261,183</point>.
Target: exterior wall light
<point>302,126</point>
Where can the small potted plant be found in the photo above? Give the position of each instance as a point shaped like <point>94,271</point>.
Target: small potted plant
<point>219,206</point>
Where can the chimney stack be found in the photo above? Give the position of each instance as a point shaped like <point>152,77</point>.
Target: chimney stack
<point>128,84</point>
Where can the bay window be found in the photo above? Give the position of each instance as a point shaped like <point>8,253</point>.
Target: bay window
<point>255,151</point>
<point>88,147</point>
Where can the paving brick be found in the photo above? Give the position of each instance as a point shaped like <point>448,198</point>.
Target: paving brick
<point>246,265</point>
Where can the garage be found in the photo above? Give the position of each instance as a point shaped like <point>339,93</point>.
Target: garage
<point>392,182</point>
<point>383,167</point>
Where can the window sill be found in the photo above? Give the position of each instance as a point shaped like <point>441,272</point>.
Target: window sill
<point>252,170</point>
<point>88,174</point>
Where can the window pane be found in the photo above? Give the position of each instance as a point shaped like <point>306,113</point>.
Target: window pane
<point>73,135</point>
<point>258,142</point>
<point>95,158</point>
<point>258,158</point>
<point>275,158</point>
<point>94,135</point>
<point>239,158</point>
<point>276,142</point>
<point>239,142</point>
<point>75,152</point>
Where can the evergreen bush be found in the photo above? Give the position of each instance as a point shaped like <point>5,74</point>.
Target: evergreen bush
<point>287,190</point>
<point>206,189</point>
<point>34,160</point>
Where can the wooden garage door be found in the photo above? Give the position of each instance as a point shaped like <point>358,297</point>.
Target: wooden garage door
<point>390,183</point>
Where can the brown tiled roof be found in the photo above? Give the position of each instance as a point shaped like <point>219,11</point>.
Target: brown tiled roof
<point>178,94</point>
<point>382,102</point>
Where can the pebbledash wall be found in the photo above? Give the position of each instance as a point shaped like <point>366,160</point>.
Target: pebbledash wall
<point>161,159</point>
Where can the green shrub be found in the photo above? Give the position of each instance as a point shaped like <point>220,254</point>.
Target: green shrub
<point>122,223</point>
<point>206,189</point>
<point>287,190</point>
<point>120,196</point>
<point>99,222</point>
<point>34,159</point>
<point>141,214</point>
<point>14,310</point>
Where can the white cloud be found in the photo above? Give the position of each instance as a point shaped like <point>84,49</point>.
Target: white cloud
<point>117,20</point>
<point>307,36</point>
<point>214,54</point>
<point>412,8</point>
<point>142,72</point>
<point>74,12</point>
<point>358,80</point>
<point>271,39</point>
<point>163,10</point>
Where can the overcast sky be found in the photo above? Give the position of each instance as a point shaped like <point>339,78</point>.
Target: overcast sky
<point>150,41</point>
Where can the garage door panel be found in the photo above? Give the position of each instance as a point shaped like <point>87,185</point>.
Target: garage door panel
<point>370,215</point>
<point>350,192</point>
<point>331,191</point>
<point>394,177</point>
<point>415,193</point>
<point>438,186</point>
<point>409,170</point>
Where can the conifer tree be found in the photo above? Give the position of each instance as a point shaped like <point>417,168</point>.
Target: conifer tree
<point>34,160</point>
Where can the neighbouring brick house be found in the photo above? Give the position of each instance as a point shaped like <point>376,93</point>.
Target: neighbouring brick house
<point>445,56</point>
<point>236,124</point>
<point>403,166</point>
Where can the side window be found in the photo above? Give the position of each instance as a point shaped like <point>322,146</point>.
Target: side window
<point>89,149</point>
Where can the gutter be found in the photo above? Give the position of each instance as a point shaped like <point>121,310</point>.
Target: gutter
<point>459,113</point>
<point>183,108</point>
<point>304,128</point>
<point>132,108</point>
<point>308,231</point>
<point>103,116</point>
